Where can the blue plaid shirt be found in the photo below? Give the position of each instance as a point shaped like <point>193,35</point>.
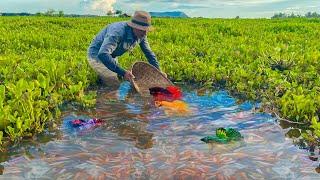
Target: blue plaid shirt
<point>114,40</point>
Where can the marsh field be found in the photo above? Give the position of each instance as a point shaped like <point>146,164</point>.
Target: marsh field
<point>260,76</point>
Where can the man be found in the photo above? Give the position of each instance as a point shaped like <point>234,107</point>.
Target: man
<point>118,38</point>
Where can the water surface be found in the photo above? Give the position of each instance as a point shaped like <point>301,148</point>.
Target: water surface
<point>141,141</point>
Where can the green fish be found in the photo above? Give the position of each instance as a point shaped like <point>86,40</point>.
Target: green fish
<point>223,135</point>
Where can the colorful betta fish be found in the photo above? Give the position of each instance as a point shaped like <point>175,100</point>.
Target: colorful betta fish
<point>170,93</point>
<point>170,99</point>
<point>82,124</point>
<point>223,135</point>
<point>176,105</point>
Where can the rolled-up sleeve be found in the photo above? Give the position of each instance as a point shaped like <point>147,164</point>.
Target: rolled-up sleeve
<point>144,45</point>
<point>109,44</point>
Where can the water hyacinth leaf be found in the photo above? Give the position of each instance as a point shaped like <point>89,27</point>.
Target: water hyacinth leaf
<point>75,88</point>
<point>12,117</point>
<point>4,113</point>
<point>19,123</point>
<point>55,98</point>
<point>1,136</point>
<point>2,95</point>
<point>89,99</point>
<point>42,104</point>
<point>3,122</point>
<point>22,85</point>
<point>36,83</point>
<point>316,126</point>
<point>42,80</point>
<point>11,89</point>
<point>27,124</point>
<point>11,132</point>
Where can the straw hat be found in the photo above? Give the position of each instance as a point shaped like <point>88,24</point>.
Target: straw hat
<point>147,76</point>
<point>141,20</point>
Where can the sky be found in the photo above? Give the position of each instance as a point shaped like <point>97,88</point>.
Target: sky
<point>193,8</point>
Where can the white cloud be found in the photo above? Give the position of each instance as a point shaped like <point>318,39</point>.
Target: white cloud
<point>207,2</point>
<point>248,2</point>
<point>295,8</point>
<point>102,6</point>
<point>217,2</point>
<point>300,9</point>
<point>105,5</point>
<point>313,6</point>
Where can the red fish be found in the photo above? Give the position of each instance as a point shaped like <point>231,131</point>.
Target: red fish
<point>175,91</point>
<point>170,93</point>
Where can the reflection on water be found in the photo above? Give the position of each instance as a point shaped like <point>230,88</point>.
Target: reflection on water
<point>141,141</point>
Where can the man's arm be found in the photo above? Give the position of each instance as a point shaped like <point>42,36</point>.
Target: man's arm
<point>109,44</point>
<point>148,53</point>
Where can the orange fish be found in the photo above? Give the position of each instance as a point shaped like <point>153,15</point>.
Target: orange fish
<point>173,107</point>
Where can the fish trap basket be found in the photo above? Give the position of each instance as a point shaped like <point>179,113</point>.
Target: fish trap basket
<point>147,76</point>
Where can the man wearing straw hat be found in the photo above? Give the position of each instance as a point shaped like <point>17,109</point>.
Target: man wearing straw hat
<point>116,39</point>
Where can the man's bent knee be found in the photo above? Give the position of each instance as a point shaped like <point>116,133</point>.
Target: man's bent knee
<point>107,77</point>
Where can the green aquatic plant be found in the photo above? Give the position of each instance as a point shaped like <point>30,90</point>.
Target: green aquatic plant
<point>39,75</point>
<point>281,63</point>
<point>313,136</point>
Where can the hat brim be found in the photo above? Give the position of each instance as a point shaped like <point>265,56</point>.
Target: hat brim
<point>143,28</point>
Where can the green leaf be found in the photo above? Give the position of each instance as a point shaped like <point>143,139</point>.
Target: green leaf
<point>2,95</point>
<point>42,80</point>
<point>1,136</point>
<point>19,123</point>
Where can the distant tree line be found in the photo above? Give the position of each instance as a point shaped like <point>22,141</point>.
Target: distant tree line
<point>292,15</point>
<point>49,12</point>
<point>52,12</point>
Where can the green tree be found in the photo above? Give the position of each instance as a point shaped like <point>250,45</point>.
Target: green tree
<point>312,15</point>
<point>109,13</point>
<point>61,14</point>
<point>39,14</point>
<point>119,12</point>
<point>279,15</point>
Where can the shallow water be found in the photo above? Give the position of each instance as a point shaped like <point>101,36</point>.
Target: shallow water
<point>141,141</point>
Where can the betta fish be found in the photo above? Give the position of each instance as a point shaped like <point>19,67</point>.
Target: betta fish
<point>175,107</point>
<point>170,93</point>
<point>223,135</point>
<point>82,124</point>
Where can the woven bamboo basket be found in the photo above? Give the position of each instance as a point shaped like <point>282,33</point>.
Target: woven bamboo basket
<point>147,76</point>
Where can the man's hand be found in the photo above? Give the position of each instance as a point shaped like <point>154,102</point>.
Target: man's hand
<point>128,76</point>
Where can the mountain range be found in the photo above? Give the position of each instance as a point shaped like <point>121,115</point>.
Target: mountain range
<point>175,14</point>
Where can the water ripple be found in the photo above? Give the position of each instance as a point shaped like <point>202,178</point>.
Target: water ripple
<point>141,141</point>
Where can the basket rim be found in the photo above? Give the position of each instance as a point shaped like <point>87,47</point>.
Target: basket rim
<point>133,82</point>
